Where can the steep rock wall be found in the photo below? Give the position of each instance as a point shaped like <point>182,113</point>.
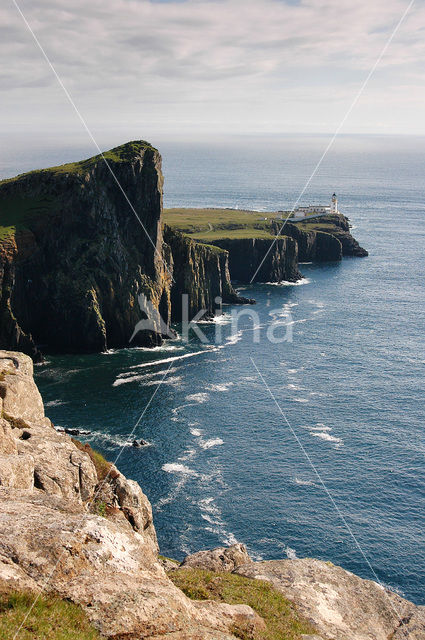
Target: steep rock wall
<point>82,267</point>
<point>79,256</point>
<point>315,246</point>
<point>202,273</point>
<point>246,254</point>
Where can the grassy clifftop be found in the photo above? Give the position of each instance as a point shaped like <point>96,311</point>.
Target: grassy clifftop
<point>123,153</point>
<point>216,224</point>
<point>17,207</point>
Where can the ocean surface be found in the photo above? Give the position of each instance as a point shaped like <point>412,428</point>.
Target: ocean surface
<point>310,447</point>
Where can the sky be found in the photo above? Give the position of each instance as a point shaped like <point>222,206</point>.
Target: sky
<point>144,68</point>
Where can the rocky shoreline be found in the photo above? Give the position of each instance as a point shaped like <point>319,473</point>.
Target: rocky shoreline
<point>72,525</point>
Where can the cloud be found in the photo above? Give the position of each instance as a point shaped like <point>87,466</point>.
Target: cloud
<point>204,52</point>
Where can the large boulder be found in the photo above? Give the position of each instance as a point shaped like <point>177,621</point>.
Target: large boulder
<point>219,559</point>
<point>20,398</point>
<point>341,605</point>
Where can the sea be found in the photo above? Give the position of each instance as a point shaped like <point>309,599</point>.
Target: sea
<point>296,427</point>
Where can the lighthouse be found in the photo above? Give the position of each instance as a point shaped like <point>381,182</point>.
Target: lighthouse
<point>334,204</point>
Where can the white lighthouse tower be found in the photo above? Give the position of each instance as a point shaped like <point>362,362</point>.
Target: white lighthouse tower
<point>334,204</point>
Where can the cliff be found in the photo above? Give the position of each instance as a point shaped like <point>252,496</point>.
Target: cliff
<point>71,525</point>
<point>76,255</point>
<point>201,272</point>
<point>337,226</point>
<point>278,258</point>
<point>248,236</point>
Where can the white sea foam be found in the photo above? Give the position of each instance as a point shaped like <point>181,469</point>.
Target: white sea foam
<point>302,400</point>
<point>234,338</point>
<point>208,505</point>
<point>290,553</point>
<point>175,467</point>
<point>324,435</point>
<point>114,440</point>
<point>173,380</point>
<point>196,432</point>
<point>302,482</point>
<point>225,386</point>
<point>213,442</point>
<point>285,283</point>
<point>55,403</point>
<point>319,426</point>
<point>199,398</point>
<point>155,363</point>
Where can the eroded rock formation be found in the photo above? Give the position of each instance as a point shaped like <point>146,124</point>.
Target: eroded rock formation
<point>52,536</point>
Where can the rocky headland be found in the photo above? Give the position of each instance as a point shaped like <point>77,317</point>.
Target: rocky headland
<point>76,255</point>
<point>86,254</point>
<point>267,249</point>
<point>72,525</point>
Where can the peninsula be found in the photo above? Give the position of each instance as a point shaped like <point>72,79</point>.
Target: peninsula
<point>81,242</point>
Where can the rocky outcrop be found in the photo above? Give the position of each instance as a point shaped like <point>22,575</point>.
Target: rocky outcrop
<point>315,246</point>
<point>84,261</point>
<point>201,272</point>
<point>219,559</point>
<point>278,259</point>
<point>339,604</point>
<point>79,256</point>
<point>314,243</point>
<point>71,524</point>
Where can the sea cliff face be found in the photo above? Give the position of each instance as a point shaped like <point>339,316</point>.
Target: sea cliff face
<point>75,257</point>
<point>201,272</point>
<point>266,260</point>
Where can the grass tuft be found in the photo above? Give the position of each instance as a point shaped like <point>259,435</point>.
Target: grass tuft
<point>281,617</point>
<point>103,467</point>
<point>50,618</point>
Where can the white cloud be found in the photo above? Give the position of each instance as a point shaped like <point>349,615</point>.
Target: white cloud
<point>226,64</point>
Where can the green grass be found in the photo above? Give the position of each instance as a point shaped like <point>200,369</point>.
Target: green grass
<point>51,618</point>
<point>16,212</point>
<point>103,467</point>
<point>281,617</point>
<point>217,224</point>
<point>119,154</point>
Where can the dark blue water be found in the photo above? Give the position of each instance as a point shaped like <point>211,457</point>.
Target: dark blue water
<point>224,463</point>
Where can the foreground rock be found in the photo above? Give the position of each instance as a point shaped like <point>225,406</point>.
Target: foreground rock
<point>219,559</point>
<point>53,538</point>
<point>341,606</point>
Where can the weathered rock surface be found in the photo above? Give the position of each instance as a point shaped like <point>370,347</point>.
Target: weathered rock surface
<point>52,536</point>
<point>313,244</point>
<point>342,606</point>
<point>201,272</point>
<point>219,559</point>
<point>278,259</point>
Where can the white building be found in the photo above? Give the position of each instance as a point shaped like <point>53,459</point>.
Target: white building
<point>313,210</point>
